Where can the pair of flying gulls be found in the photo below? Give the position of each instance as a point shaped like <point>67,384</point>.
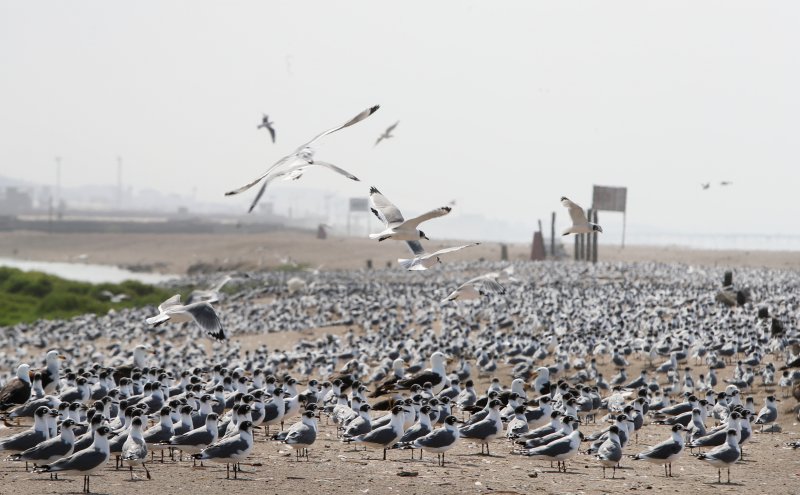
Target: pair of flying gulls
<point>294,165</point>
<point>268,125</point>
<point>399,228</point>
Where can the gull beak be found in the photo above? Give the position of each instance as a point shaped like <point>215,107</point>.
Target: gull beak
<point>62,357</point>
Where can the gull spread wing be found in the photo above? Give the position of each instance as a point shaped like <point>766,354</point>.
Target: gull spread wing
<point>416,247</point>
<point>575,212</point>
<point>207,318</point>
<point>358,118</point>
<point>172,301</point>
<point>438,212</point>
<point>384,209</point>
<point>391,127</point>
<point>452,249</point>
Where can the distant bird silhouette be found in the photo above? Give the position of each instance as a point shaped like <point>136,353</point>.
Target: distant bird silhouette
<point>265,123</point>
<point>705,185</point>
<point>725,183</point>
<point>387,133</point>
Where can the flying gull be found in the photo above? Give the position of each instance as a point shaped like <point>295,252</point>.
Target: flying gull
<point>475,288</point>
<point>423,260</point>
<point>266,124</point>
<point>201,312</point>
<point>397,227</point>
<point>303,154</point>
<point>580,225</point>
<point>387,133</point>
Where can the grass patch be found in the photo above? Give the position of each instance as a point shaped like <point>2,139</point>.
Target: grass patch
<point>29,296</point>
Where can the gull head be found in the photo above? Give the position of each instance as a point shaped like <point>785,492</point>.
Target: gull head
<point>306,153</point>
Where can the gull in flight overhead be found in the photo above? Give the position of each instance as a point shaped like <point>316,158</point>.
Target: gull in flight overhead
<point>387,133</point>
<point>295,172</point>
<point>398,228</point>
<point>475,288</point>
<point>303,154</point>
<point>705,185</point>
<point>725,183</point>
<point>265,123</point>
<point>423,260</point>
<point>201,312</point>
<point>580,225</point>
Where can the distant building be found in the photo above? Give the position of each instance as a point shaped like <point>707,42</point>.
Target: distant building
<point>14,201</point>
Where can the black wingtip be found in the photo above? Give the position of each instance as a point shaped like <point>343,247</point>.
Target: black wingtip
<point>374,190</point>
<point>563,198</point>
<point>220,336</point>
<point>374,109</point>
<point>229,193</point>
<point>447,209</point>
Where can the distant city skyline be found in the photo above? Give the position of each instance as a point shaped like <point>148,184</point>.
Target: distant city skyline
<point>502,107</point>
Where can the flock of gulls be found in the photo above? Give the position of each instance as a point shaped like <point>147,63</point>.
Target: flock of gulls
<point>552,362</point>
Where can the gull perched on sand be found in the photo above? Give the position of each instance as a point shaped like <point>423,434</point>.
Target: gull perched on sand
<point>423,260</point>
<point>266,124</point>
<point>387,133</point>
<point>303,154</point>
<point>397,227</point>
<point>475,288</point>
<point>201,312</point>
<point>580,224</point>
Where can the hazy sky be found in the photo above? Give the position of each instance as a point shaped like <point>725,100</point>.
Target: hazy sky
<point>504,106</point>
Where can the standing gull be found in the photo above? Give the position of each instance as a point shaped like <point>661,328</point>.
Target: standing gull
<point>304,153</point>
<point>439,440</point>
<point>397,227</point>
<point>724,455</point>
<point>232,449</point>
<point>85,462</point>
<point>665,452</point>
<point>134,450</point>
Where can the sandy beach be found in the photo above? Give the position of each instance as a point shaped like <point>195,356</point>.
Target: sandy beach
<point>176,254</point>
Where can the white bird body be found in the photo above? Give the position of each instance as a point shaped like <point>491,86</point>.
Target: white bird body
<point>200,312</point>
<point>397,227</point>
<point>580,224</point>
<point>423,260</point>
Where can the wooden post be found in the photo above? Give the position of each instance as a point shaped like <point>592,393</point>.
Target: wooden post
<point>589,237</point>
<point>503,252</point>
<point>624,217</point>
<point>581,247</point>
<point>553,234</point>
<point>594,239</point>
<point>575,248</point>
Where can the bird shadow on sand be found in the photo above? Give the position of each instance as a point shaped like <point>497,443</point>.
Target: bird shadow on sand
<point>716,483</point>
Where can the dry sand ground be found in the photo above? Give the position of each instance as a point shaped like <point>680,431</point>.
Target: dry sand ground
<point>176,253</point>
<point>334,467</point>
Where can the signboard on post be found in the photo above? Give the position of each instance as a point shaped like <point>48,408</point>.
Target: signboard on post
<point>359,204</point>
<point>611,199</point>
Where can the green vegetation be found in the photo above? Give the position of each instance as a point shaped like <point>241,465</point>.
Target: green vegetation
<point>29,296</point>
